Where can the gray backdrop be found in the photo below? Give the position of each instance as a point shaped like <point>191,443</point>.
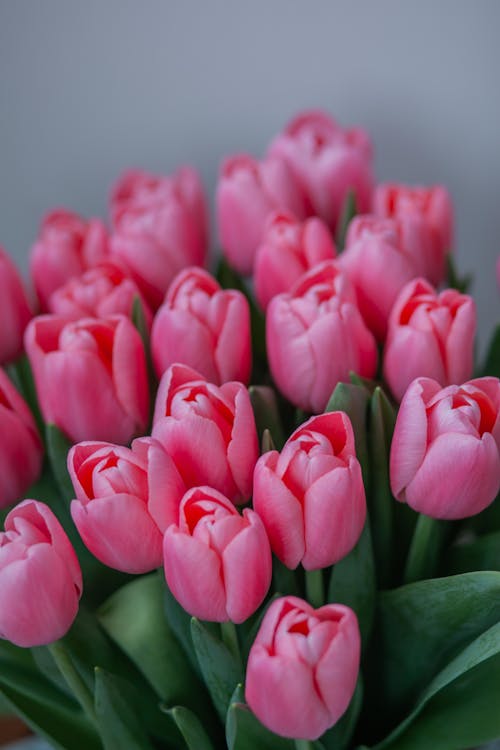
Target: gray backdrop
<point>88,88</point>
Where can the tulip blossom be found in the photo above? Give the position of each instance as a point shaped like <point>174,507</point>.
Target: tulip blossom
<point>311,495</point>
<point>327,162</point>
<point>125,499</point>
<point>90,376</point>
<point>430,335</point>
<point>160,227</point>
<point>303,667</point>
<point>40,578</point>
<point>15,310</point>
<point>20,446</point>
<point>432,207</point>
<point>316,336</point>
<point>210,432</point>
<point>445,453</point>
<point>204,327</point>
<point>66,246</point>
<point>217,563</point>
<point>247,192</point>
<point>288,249</point>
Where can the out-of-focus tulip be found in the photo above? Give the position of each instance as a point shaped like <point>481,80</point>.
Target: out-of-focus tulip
<point>67,245</point>
<point>160,227</point>
<point>90,375</point>
<point>209,431</point>
<point>217,563</point>
<point>20,447</point>
<point>125,499</point>
<point>40,578</point>
<point>316,336</point>
<point>430,335</point>
<point>247,192</point>
<point>303,667</point>
<point>204,327</point>
<point>328,162</point>
<point>445,453</point>
<point>15,311</point>
<point>311,495</point>
<point>288,249</point>
<point>431,206</point>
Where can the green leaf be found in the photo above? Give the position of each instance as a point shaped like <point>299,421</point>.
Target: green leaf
<point>492,361</point>
<point>180,623</point>
<point>354,401</point>
<point>21,374</point>
<point>453,280</point>
<point>425,548</point>
<point>139,321</point>
<point>245,732</point>
<point>339,736</point>
<point>191,729</point>
<point>266,413</point>
<point>58,446</point>
<point>348,213</point>
<point>480,554</point>
<point>119,725</point>
<point>219,667</point>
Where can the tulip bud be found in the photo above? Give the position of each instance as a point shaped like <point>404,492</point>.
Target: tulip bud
<point>15,310</point>
<point>90,376</point>
<point>303,667</point>
<point>311,495</point>
<point>40,578</point>
<point>247,192</point>
<point>288,249</point>
<point>204,327</point>
<point>327,162</point>
<point>445,452</point>
<point>430,335</point>
<point>217,563</point>
<point>316,336</point>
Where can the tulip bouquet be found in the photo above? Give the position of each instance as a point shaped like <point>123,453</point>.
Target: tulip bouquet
<point>261,503</point>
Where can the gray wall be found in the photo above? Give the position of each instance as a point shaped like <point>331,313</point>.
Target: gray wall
<point>88,88</point>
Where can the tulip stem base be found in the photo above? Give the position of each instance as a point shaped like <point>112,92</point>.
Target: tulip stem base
<point>304,745</point>
<point>230,638</point>
<point>73,679</point>
<point>315,592</point>
<point>424,549</point>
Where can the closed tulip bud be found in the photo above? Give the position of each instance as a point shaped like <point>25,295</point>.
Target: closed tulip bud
<point>247,192</point>
<point>67,245</point>
<point>217,563</point>
<point>20,447</point>
<point>328,162</point>
<point>316,336</point>
<point>430,335</point>
<point>445,453</point>
<point>431,206</point>
<point>209,431</point>
<point>15,311</point>
<point>90,376</point>
<point>40,578</point>
<point>303,667</point>
<point>160,227</point>
<point>311,496</point>
<point>125,499</point>
<point>288,249</point>
<point>204,327</point>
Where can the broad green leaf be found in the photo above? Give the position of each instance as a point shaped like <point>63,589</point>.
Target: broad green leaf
<point>266,413</point>
<point>482,553</point>
<point>245,732</point>
<point>347,214</point>
<point>339,736</point>
<point>492,361</point>
<point>353,400</point>
<point>191,729</point>
<point>220,670</point>
<point>57,449</point>
<point>119,725</point>
<point>180,624</point>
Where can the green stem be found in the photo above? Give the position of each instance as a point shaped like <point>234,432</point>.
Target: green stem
<point>424,549</point>
<point>73,679</point>
<point>304,745</point>
<point>230,638</point>
<point>315,592</point>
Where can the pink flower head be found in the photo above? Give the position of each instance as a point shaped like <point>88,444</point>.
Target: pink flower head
<point>15,310</point>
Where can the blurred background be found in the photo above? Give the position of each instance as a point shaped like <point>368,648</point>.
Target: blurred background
<point>87,89</point>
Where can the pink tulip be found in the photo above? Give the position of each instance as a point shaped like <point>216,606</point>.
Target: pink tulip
<point>40,578</point>
<point>104,290</point>
<point>204,327</point>
<point>430,335</point>
<point>20,447</point>
<point>217,563</point>
<point>303,667</point>
<point>311,495</point>
<point>15,310</point>
<point>125,499</point>
<point>67,245</point>
<point>209,431</point>
<point>327,161</point>
<point>247,192</point>
<point>431,206</point>
<point>288,249</point>
<point>316,336</point>
<point>160,227</point>
<point>381,256</point>
<point>445,453</point>
<point>90,376</point>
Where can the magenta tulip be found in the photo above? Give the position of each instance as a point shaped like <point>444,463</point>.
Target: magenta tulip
<point>15,310</point>
<point>217,563</point>
<point>204,327</point>
<point>40,578</point>
<point>445,453</point>
<point>303,667</point>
